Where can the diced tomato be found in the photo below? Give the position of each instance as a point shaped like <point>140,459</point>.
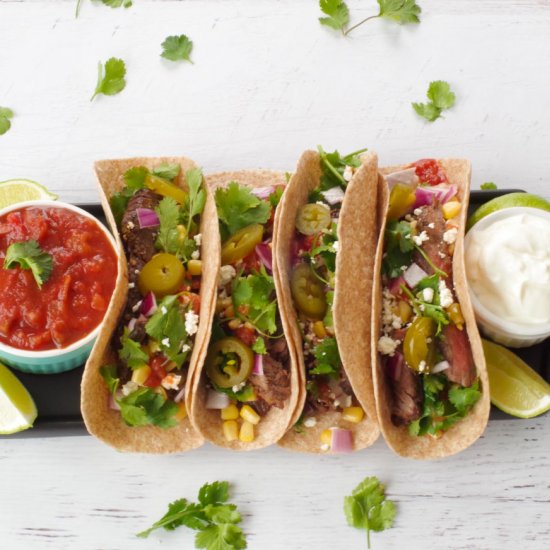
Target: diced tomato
<point>158,371</point>
<point>252,262</point>
<point>245,334</point>
<point>429,171</point>
<point>193,299</point>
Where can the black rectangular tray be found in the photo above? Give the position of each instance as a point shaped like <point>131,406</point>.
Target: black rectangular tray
<point>57,396</point>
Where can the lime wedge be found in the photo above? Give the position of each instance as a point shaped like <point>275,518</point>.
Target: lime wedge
<point>14,191</point>
<point>508,201</point>
<point>516,388</point>
<point>17,409</point>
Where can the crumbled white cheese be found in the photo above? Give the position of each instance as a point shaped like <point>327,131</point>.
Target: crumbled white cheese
<point>129,387</point>
<point>198,238</point>
<point>348,173</point>
<point>185,348</point>
<point>196,254</point>
<point>131,285</point>
<point>136,306</point>
<point>422,366</point>
<point>335,246</point>
<point>165,342</point>
<point>419,239</point>
<point>238,387</point>
<point>310,422</point>
<point>442,255</point>
<point>431,225</point>
<point>227,273</point>
<point>191,322</point>
<point>130,225</point>
<point>417,211</point>
<point>387,345</point>
<point>171,381</point>
<point>325,447</point>
<point>450,235</point>
<point>428,295</point>
<point>445,295</point>
<point>163,310</point>
<point>409,218</point>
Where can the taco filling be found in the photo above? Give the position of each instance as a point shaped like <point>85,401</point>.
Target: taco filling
<point>312,283</point>
<point>248,362</point>
<point>426,354</point>
<point>159,227</point>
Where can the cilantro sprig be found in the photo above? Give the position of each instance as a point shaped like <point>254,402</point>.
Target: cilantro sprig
<point>327,358</point>
<point>130,351</point>
<point>29,255</point>
<point>109,3</point>
<point>5,119</point>
<point>488,186</point>
<point>440,98</point>
<point>333,166</point>
<point>367,507</point>
<point>110,78</point>
<point>177,48</point>
<point>337,13</point>
<point>216,520</point>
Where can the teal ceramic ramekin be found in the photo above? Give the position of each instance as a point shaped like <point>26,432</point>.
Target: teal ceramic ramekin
<point>56,360</point>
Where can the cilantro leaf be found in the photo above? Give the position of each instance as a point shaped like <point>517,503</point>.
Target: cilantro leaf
<point>177,48</point>
<point>441,98</point>
<point>130,351</point>
<point>117,3</point>
<point>464,398</point>
<point>401,11</point>
<point>338,14</point>
<point>259,346</point>
<point>327,358</point>
<point>144,407</point>
<point>488,185</point>
<point>333,166</point>
<point>226,536</point>
<point>367,507</point>
<point>168,238</point>
<point>109,375</point>
<point>135,177</point>
<point>197,195</point>
<point>238,207</point>
<point>119,202</point>
<point>243,395</point>
<point>5,122</point>
<point>166,170</point>
<point>399,247</point>
<point>214,493</point>
<point>111,78</point>
<point>29,255</point>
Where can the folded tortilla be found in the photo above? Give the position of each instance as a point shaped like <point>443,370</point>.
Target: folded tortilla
<point>101,421</point>
<point>352,298</point>
<point>466,431</point>
<point>273,425</point>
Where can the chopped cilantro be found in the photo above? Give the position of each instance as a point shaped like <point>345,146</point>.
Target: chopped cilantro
<point>367,507</point>
<point>401,11</point>
<point>337,14</point>
<point>259,346</point>
<point>144,407</point>
<point>243,395</point>
<point>441,98</point>
<point>168,238</point>
<point>333,166</point>
<point>166,170</point>
<point>130,351</point>
<point>488,185</point>
<point>238,207</point>
<point>399,247</point>
<point>135,177</point>
<point>109,375</point>
<point>5,122</point>
<point>29,255</point>
<point>327,358</point>
<point>119,202</point>
<point>177,48</point>
<point>111,78</point>
<point>275,197</point>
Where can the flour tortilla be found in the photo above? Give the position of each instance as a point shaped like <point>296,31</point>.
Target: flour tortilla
<point>101,421</point>
<point>467,430</point>
<point>353,293</point>
<point>207,421</point>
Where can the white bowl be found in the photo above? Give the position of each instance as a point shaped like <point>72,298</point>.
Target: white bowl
<point>58,359</point>
<point>508,333</point>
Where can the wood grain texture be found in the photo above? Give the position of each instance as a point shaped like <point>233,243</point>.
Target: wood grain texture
<point>269,82</point>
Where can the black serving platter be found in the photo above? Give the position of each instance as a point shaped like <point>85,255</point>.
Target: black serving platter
<point>57,396</point>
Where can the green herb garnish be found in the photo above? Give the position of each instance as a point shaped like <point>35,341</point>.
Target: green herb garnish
<point>333,166</point>
<point>29,255</point>
<point>111,78</point>
<point>5,122</point>
<point>144,407</point>
<point>130,351</point>
<point>177,48</point>
<point>441,98</point>
<point>488,185</point>
<point>327,358</point>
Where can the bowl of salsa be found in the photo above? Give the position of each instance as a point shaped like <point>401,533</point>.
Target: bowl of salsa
<point>58,270</point>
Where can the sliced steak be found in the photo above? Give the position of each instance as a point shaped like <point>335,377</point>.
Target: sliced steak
<point>406,388</point>
<point>278,349</point>
<point>458,352</point>
<point>260,406</point>
<point>274,385</point>
<point>435,246</point>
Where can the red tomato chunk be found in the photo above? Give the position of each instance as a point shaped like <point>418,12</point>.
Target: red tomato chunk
<point>429,171</point>
<point>73,301</point>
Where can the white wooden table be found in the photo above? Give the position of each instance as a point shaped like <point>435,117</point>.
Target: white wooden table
<point>269,81</point>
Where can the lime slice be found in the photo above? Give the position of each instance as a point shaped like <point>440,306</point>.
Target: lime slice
<point>17,409</point>
<point>516,388</point>
<point>14,191</point>
<point>508,201</point>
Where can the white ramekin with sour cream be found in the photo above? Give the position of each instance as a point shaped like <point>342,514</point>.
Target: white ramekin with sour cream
<point>507,256</point>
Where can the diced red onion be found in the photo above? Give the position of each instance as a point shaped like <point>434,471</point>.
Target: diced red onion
<point>149,304</point>
<point>217,400</point>
<point>265,255</point>
<point>258,364</point>
<point>414,274</point>
<point>407,177</point>
<point>132,324</point>
<point>147,218</point>
<point>425,195</point>
<point>180,395</point>
<point>449,195</point>
<point>113,405</point>
<point>263,192</point>
<point>334,195</point>
<point>440,367</point>
<point>394,285</point>
<point>394,363</point>
<point>341,441</point>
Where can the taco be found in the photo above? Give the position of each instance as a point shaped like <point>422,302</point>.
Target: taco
<point>326,240</point>
<point>432,391</point>
<point>245,395</point>
<point>136,384</point>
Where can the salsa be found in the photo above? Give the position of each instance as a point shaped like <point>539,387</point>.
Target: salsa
<point>75,297</point>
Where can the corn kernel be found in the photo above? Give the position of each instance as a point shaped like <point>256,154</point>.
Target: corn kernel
<point>326,437</point>
<point>182,411</point>
<point>246,435</point>
<point>455,314</point>
<point>353,414</point>
<point>451,209</point>
<point>194,267</point>
<point>182,233</point>
<point>319,329</point>
<point>230,430</point>
<point>231,412</point>
<point>141,374</point>
<point>249,414</point>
